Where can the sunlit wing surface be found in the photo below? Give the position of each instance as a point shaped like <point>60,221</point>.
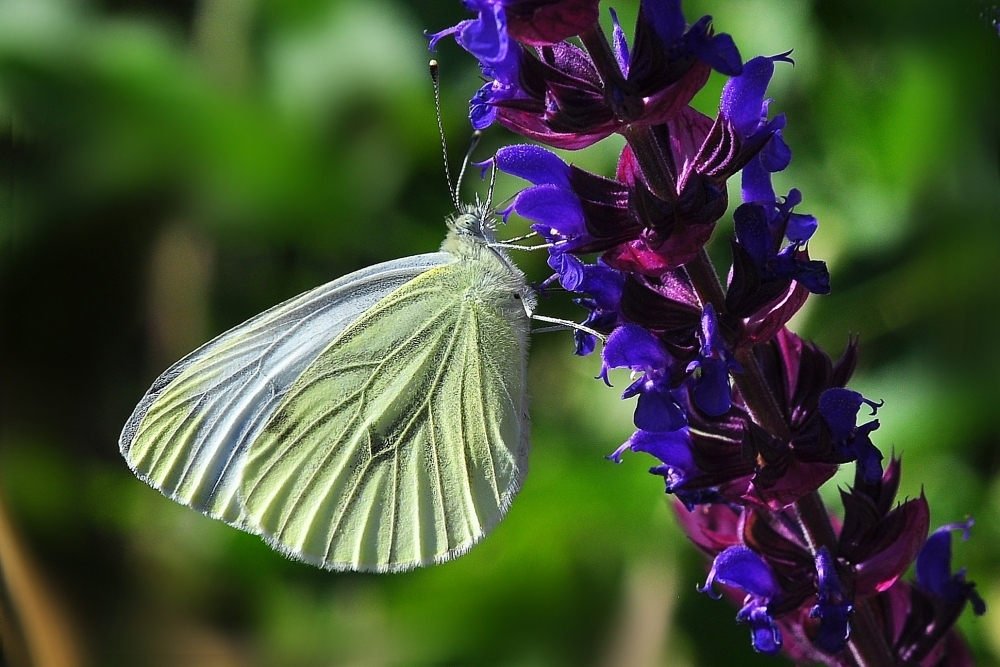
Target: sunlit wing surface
<point>405,441</point>
<point>189,434</point>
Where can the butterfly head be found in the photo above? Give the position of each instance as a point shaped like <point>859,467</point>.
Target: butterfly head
<point>477,221</point>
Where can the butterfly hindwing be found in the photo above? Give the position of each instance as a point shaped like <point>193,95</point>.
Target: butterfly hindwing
<point>404,442</point>
<point>188,435</point>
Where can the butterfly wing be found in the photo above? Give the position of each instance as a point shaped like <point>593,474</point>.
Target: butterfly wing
<point>188,436</point>
<point>405,441</point>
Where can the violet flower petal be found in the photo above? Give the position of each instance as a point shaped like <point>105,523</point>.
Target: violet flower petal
<point>744,568</point>
<point>553,206</point>
<point>657,411</point>
<point>631,346</point>
<point>934,569</point>
<point>742,100</point>
<point>671,448</point>
<point>534,164</point>
<point>832,609</point>
<point>718,51</point>
<point>765,636</point>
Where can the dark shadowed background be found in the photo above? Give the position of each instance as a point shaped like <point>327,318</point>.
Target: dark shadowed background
<point>168,169</point>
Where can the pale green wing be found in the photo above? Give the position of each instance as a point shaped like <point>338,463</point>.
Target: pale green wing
<point>188,435</point>
<point>405,441</point>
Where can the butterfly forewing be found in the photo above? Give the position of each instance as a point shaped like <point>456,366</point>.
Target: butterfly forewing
<point>190,432</point>
<point>403,443</point>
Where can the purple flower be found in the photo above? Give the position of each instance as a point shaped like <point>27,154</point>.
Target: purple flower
<point>762,271</point>
<point>745,458</point>
<point>780,212</point>
<point>743,103</point>
<point>839,408</point>
<point>740,460</point>
<point>650,233</point>
<point>669,306</point>
<point>561,97</point>
<point>740,567</point>
<point>603,287</point>
<point>880,539</point>
<point>672,448</point>
<point>711,390</point>
<point>934,605</point>
<point>578,212</point>
<point>631,346</point>
<point>484,37</point>
<point>934,570</point>
<point>831,608</point>
<point>487,38</point>
<point>812,598</point>
<point>703,154</point>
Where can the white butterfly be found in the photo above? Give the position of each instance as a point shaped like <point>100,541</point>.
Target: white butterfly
<point>375,423</point>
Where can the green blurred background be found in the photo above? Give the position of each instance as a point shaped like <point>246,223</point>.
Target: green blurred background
<point>169,168</point>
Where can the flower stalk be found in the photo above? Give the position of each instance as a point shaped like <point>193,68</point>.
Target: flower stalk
<point>746,419</point>
<point>866,644</point>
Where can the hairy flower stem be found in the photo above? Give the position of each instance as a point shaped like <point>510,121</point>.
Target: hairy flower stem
<point>866,644</point>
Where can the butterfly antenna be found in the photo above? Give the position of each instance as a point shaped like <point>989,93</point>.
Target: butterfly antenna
<point>476,136</point>
<point>436,79</point>
<point>493,182</point>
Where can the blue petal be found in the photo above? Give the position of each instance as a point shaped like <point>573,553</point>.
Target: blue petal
<point>585,343</point>
<point>839,408</point>
<point>569,269</point>
<point>753,233</point>
<point>800,227</point>
<point>556,207</point>
<point>673,449</point>
<point>934,569</point>
<point>832,609</point>
<point>636,388</point>
<point>812,274</point>
<point>436,37</point>
<point>776,155</point>
<point>667,19</point>
<point>834,628</point>
<point>742,567</point>
<point>711,341</point>
<point>934,561</point>
<point>631,346</point>
<point>604,284</point>
<point>869,458</point>
<point>815,280</point>
<point>486,36</point>
<point>718,51</point>
<point>657,410</point>
<point>742,99</point>
<point>756,186</point>
<point>533,164</point>
<point>482,113</point>
<point>764,632</point>
<point>711,392</point>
